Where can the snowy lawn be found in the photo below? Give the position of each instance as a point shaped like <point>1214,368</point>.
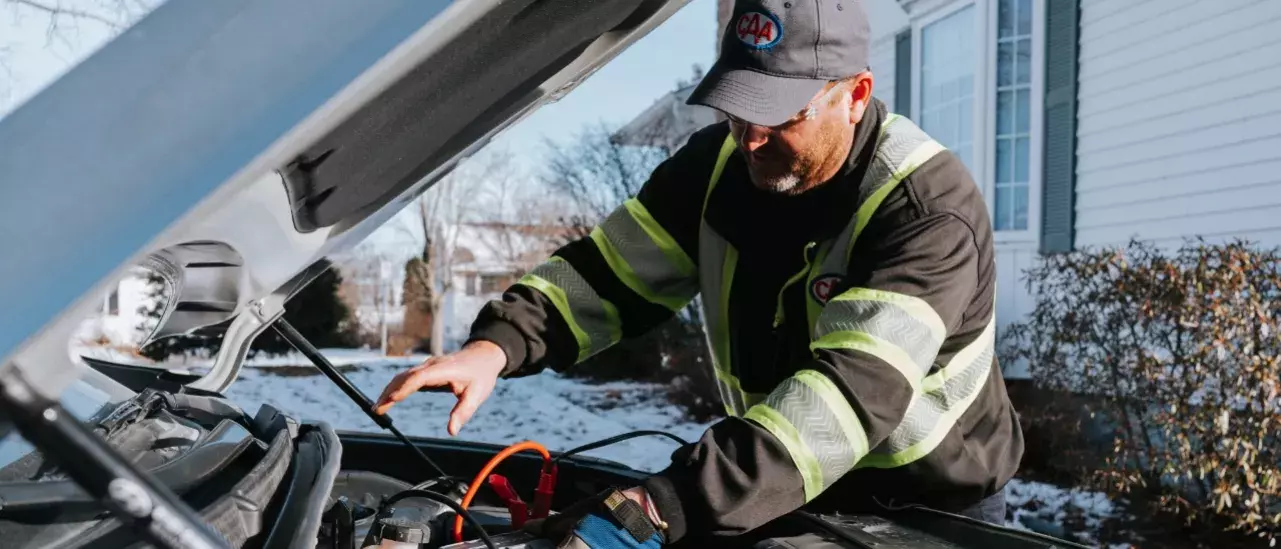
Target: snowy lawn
<point>562,413</point>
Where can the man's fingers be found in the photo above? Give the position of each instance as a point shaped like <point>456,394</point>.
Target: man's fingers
<point>392,385</point>
<point>435,375</point>
<point>467,405</point>
<point>394,392</point>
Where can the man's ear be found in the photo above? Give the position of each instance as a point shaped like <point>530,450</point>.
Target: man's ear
<point>860,96</point>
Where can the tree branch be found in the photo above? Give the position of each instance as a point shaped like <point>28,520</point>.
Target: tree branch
<point>58,10</point>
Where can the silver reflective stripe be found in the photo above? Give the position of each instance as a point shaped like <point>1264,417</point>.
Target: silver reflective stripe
<point>886,321</point>
<point>593,320</point>
<point>711,252</point>
<point>638,258</point>
<point>899,140</point>
<point>903,147</point>
<point>829,445</point>
<point>719,259</point>
<point>946,395</point>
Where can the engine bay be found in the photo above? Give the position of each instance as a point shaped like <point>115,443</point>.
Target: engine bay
<point>274,481</point>
<point>372,510</point>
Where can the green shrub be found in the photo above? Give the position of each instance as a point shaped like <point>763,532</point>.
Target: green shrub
<point>1178,354</point>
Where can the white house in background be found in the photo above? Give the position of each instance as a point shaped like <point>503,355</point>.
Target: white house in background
<point>373,288</point>
<point>487,258</point>
<point>1089,122</point>
<point>666,123</point>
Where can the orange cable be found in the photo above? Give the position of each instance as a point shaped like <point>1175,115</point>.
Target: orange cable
<point>487,469</point>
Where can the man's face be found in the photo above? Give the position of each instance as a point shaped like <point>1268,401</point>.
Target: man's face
<point>804,152</point>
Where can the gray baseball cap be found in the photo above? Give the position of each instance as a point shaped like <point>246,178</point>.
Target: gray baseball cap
<point>777,54</point>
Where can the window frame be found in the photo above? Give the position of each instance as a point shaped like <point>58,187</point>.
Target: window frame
<point>985,102</point>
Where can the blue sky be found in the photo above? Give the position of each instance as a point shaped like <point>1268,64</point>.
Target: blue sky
<point>631,82</point>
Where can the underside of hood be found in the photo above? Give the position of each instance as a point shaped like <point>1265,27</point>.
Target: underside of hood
<point>234,145</point>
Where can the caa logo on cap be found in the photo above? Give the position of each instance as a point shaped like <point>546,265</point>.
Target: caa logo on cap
<point>758,30</point>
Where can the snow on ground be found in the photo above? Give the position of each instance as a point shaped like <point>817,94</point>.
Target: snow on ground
<point>1054,510</point>
<point>560,413</point>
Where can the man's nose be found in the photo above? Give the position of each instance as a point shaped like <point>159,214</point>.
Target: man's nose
<point>754,137</point>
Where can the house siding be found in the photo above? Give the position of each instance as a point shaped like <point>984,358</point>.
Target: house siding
<point>883,62</point>
<point>1013,301</point>
<point>1179,121</point>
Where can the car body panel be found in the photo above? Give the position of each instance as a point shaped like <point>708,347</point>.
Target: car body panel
<point>205,122</point>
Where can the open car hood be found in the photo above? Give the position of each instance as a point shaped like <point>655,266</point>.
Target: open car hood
<point>234,145</point>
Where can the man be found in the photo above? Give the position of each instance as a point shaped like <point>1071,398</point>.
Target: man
<point>845,263</point>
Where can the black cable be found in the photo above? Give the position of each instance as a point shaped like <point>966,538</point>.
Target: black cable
<point>615,440</point>
<point>295,338</point>
<point>444,500</point>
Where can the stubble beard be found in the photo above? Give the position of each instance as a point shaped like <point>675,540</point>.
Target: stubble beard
<point>784,183</point>
<point>801,173</point>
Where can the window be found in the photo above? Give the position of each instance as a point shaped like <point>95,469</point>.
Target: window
<point>470,284</point>
<point>948,66</point>
<point>979,94</point>
<point>1013,114</point>
<point>492,283</point>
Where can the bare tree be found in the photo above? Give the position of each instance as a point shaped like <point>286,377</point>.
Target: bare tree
<point>370,287</point>
<point>519,223</point>
<point>597,173</point>
<point>114,14</point>
<point>435,223</point>
<point>602,166</point>
<point>64,21</point>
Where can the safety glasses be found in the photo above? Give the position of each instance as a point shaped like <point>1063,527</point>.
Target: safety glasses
<point>808,113</point>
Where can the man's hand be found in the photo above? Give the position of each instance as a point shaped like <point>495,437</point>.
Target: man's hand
<point>604,521</point>
<point>470,373</point>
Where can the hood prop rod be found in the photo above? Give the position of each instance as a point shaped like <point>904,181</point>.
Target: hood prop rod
<point>290,334</point>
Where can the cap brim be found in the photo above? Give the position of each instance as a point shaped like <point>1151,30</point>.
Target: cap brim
<point>755,97</point>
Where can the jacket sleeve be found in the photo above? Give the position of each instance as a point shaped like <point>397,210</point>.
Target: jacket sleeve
<point>876,342</point>
<point>635,270</point>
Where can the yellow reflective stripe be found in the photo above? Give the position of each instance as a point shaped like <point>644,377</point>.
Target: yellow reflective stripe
<point>920,155</point>
<point>814,309</point>
<point>557,297</point>
<point>914,306</point>
<point>561,301</point>
<point>840,407</point>
<point>683,264</point>
<point>721,347</point>
<point>935,382</point>
<point>722,158</point>
<point>785,432</point>
<point>628,276</point>
<point>778,311</point>
<point>927,432</point>
<point>731,382</point>
<point>875,346</point>
<point>722,335</point>
<point>892,118</point>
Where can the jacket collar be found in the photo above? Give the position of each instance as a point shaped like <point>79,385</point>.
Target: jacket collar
<point>753,219</point>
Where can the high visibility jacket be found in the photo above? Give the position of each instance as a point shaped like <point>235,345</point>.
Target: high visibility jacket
<point>851,327</point>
